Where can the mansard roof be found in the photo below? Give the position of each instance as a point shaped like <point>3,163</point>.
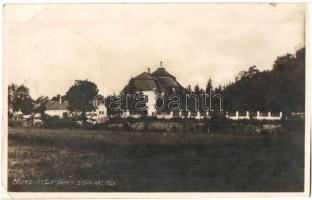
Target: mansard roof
<point>145,82</point>
<point>161,72</point>
<point>160,80</point>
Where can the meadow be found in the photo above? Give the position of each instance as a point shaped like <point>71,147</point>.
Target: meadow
<point>64,160</point>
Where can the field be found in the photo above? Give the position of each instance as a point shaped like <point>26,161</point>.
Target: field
<point>112,161</point>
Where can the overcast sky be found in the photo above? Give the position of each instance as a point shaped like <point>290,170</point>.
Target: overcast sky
<point>48,47</point>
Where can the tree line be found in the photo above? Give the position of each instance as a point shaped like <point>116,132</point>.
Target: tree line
<point>280,89</point>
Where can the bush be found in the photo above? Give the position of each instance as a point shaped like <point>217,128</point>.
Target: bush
<point>60,123</point>
<point>294,126</point>
<point>14,123</point>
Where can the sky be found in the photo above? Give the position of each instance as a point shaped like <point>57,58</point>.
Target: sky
<point>48,47</point>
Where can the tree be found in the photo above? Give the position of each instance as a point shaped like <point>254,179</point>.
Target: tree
<point>196,89</point>
<point>279,89</point>
<point>12,90</point>
<point>247,74</point>
<point>81,95</point>
<point>188,89</point>
<point>40,105</point>
<point>128,96</point>
<point>130,88</point>
<point>19,99</point>
<point>209,86</point>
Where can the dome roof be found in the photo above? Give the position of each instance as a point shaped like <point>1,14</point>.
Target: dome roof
<point>145,82</point>
<point>161,72</point>
<point>160,80</point>
<point>144,76</point>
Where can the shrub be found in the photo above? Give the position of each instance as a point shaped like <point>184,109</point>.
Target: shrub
<point>60,123</point>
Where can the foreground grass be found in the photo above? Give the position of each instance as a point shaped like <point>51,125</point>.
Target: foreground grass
<point>80,160</point>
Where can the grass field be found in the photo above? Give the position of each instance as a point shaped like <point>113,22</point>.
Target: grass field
<point>81,160</point>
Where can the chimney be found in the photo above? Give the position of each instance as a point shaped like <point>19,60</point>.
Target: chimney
<point>60,99</point>
<point>149,70</point>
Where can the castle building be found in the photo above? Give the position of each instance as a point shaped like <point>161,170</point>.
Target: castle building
<point>154,84</point>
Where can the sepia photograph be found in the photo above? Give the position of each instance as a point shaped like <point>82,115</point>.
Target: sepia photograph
<point>156,98</point>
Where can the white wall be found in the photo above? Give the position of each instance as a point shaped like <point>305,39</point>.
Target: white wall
<point>101,111</point>
<point>58,113</point>
<point>151,95</point>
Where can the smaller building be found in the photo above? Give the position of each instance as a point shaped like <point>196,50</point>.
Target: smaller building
<point>57,108</point>
<point>101,112</point>
<point>37,120</point>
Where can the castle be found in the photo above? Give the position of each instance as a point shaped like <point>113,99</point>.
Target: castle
<point>153,84</point>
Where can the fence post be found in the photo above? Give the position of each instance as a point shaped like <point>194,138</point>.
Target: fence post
<point>198,115</point>
<point>127,113</point>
